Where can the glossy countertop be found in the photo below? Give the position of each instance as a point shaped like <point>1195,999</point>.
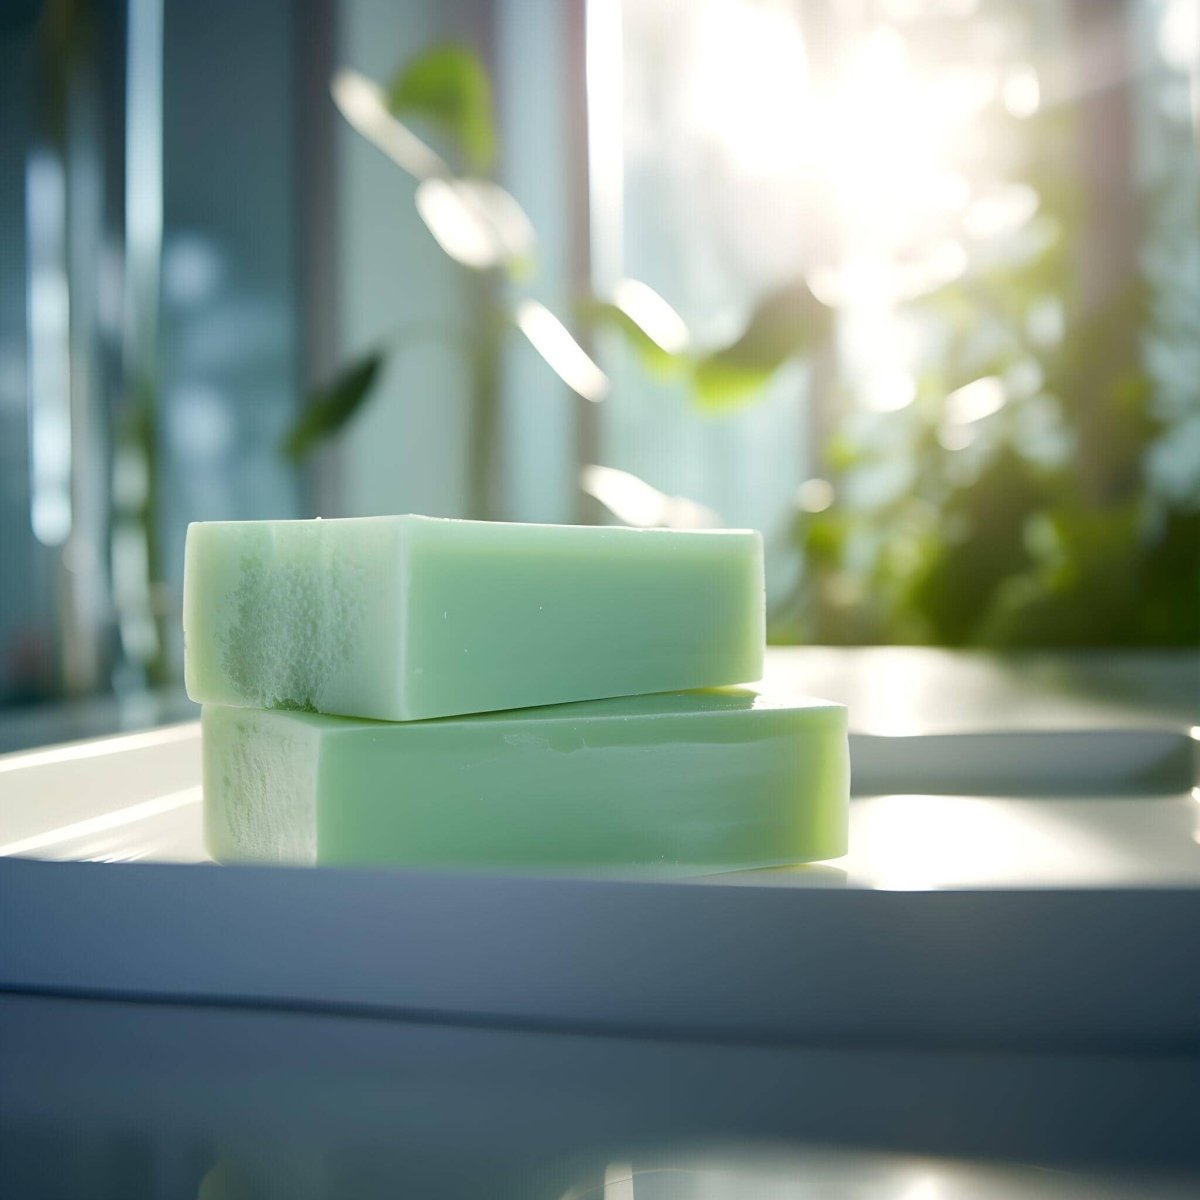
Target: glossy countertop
<point>993,994</point>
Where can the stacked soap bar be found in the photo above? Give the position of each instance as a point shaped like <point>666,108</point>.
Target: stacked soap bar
<point>404,618</point>
<point>705,779</point>
<point>531,693</point>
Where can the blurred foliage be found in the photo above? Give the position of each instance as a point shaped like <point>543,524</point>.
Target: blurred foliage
<point>333,405</point>
<point>598,314</point>
<point>786,323</point>
<point>1035,523</point>
<point>1039,524</point>
<point>1045,530</point>
<point>448,86</point>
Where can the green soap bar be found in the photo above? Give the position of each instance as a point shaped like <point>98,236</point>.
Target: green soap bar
<point>700,780</point>
<point>402,618</point>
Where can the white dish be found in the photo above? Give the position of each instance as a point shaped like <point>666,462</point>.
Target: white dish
<point>956,920</point>
<point>137,798</point>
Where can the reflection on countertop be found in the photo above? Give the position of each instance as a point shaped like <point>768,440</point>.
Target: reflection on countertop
<point>110,1098</point>
<point>732,1173</point>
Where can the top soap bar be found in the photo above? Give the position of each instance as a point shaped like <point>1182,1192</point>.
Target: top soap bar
<point>403,618</point>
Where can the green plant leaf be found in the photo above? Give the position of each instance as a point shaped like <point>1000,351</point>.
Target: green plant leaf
<point>786,322</point>
<point>448,86</point>
<point>332,406</point>
<point>603,314</point>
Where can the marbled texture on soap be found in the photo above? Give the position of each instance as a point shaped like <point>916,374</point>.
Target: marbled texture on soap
<point>292,628</point>
<point>260,791</point>
<point>409,618</point>
<point>293,615</point>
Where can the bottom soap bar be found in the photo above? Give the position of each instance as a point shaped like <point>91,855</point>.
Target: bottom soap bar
<point>700,780</point>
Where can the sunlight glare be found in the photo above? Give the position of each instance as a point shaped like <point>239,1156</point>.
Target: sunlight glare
<point>814,495</point>
<point>749,85</point>
<point>883,143</point>
<point>883,134</point>
<point>104,822</point>
<point>955,437</point>
<point>889,149</point>
<point>565,356</point>
<point>1001,213</point>
<point>914,842</point>
<point>1179,35</point>
<point>928,1187</point>
<point>630,499</point>
<point>944,263</point>
<point>974,401</point>
<point>652,315</point>
<point>1022,92</point>
<point>639,504</point>
<point>880,143</point>
<point>873,126</point>
<point>889,391</point>
<point>475,221</point>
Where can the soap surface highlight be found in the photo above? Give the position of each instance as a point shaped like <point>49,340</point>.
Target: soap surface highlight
<point>696,780</point>
<point>404,618</point>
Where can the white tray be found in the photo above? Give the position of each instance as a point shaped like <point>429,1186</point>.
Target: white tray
<point>957,920</point>
<point>137,798</point>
